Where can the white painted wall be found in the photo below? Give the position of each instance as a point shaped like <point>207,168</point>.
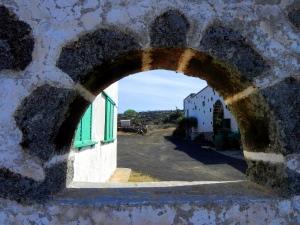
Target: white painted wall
<point>125,123</point>
<point>97,163</point>
<point>193,107</point>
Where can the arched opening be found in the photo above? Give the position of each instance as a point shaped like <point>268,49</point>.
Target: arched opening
<point>218,117</point>
<point>250,112</point>
<point>222,77</point>
<point>223,58</point>
<point>165,151</point>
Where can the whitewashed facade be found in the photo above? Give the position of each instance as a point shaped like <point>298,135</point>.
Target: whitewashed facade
<point>125,123</point>
<point>97,163</point>
<point>201,106</point>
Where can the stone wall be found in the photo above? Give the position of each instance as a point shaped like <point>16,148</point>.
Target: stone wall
<point>57,55</point>
<point>156,207</point>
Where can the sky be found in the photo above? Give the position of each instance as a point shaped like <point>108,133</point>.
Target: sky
<point>156,90</point>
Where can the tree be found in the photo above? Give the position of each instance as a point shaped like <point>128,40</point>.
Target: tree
<point>130,114</point>
<point>184,127</point>
<point>174,117</point>
<point>189,122</point>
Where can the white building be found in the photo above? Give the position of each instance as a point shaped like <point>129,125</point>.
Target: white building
<point>203,105</point>
<point>94,151</point>
<point>125,123</point>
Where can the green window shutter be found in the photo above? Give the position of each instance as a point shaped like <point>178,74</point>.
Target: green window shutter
<point>112,121</point>
<point>106,129</point>
<point>83,135</point>
<point>78,133</point>
<point>109,120</point>
<point>87,124</point>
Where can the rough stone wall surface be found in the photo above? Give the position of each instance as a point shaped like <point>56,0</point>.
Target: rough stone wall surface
<point>248,50</point>
<point>16,41</point>
<point>264,212</point>
<point>81,57</point>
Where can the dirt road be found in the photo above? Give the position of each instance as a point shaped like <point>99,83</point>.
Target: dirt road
<point>167,159</point>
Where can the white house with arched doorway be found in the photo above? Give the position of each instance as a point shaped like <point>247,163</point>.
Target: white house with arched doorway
<point>94,151</point>
<point>201,106</point>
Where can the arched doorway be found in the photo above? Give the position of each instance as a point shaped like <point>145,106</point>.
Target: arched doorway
<point>218,117</point>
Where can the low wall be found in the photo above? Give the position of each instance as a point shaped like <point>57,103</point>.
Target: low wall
<point>237,203</point>
<point>228,212</point>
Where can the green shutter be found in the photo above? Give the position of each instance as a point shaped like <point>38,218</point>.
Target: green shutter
<point>106,129</point>
<point>83,135</point>
<point>109,120</point>
<point>112,121</point>
<point>78,133</point>
<point>87,124</point>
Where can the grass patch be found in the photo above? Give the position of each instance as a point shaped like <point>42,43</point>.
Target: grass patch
<point>140,177</point>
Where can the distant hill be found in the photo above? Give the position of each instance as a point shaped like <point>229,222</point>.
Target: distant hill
<point>156,117</point>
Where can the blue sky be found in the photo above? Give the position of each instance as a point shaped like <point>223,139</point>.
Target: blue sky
<point>156,90</point>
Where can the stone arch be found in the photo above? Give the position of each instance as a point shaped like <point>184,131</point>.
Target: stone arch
<point>169,30</point>
<point>294,14</point>
<point>226,59</point>
<point>16,41</point>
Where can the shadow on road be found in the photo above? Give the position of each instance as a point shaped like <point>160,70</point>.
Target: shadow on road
<point>206,156</point>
